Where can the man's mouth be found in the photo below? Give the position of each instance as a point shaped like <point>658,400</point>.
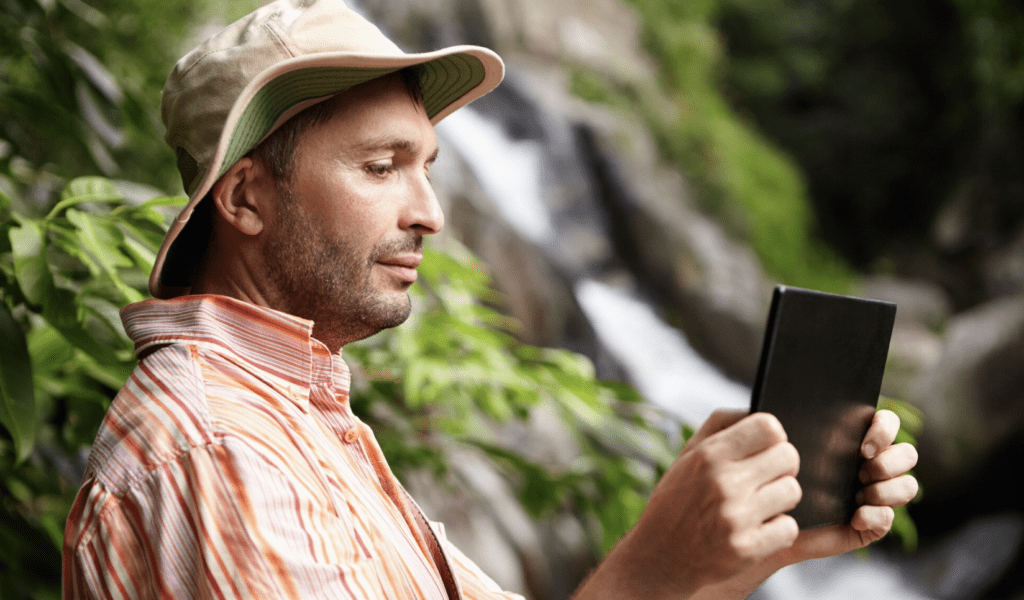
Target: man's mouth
<point>403,266</point>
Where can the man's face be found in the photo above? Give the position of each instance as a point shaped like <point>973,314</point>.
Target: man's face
<point>347,236</point>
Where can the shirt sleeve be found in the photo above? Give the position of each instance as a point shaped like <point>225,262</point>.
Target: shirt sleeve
<point>220,522</point>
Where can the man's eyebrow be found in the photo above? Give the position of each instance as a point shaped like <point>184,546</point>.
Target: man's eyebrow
<point>395,144</point>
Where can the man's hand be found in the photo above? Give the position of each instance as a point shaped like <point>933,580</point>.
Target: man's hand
<point>717,511</point>
<point>715,525</point>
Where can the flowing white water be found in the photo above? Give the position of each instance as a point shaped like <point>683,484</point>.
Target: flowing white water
<point>662,364</point>
<point>509,171</point>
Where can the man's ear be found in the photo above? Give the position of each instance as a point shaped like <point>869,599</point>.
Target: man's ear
<point>241,196</point>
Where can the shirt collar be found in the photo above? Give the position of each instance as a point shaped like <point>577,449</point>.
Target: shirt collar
<point>277,344</point>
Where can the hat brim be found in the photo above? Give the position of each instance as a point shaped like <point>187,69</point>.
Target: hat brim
<point>451,78</point>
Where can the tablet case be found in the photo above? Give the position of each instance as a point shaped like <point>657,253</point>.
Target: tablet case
<point>820,373</point>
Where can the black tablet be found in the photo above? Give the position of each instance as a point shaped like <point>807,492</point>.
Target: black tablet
<point>820,373</point>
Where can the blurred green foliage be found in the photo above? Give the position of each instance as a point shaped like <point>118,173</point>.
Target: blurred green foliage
<point>454,376</point>
<point>63,278</point>
<point>79,91</point>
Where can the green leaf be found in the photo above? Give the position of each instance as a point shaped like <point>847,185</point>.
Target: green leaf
<point>911,419</point>
<point>141,254</point>
<point>66,313</point>
<point>17,397</point>
<point>904,528</point>
<point>149,204</point>
<point>49,351</point>
<point>148,234</point>
<point>31,269</point>
<point>103,240</point>
<point>53,526</point>
<point>86,189</point>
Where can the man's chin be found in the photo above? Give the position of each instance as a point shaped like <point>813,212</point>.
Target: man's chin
<point>391,311</point>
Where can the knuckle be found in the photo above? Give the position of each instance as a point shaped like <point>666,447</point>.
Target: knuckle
<point>788,530</point>
<point>747,550</point>
<point>740,546</point>
<point>706,461</point>
<point>898,460</point>
<point>770,424</point>
<point>731,519</point>
<point>891,419</point>
<point>911,487</point>
<point>794,492</point>
<point>718,481</point>
<point>728,518</point>
<point>728,480</point>
<point>910,451</point>
<point>717,492</point>
<point>721,415</point>
<point>790,455</point>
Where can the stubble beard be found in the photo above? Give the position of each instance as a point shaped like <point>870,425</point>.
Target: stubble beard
<point>326,280</point>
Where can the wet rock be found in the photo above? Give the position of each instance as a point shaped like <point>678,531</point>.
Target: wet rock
<point>919,302</point>
<point>972,397</point>
<point>923,309</point>
<point>968,561</point>
<point>708,285</point>
<point>1004,269</point>
<point>913,350</point>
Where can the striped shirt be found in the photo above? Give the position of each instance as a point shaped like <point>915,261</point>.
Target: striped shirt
<point>230,465</point>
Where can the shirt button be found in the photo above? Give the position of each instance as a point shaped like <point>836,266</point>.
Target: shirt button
<point>351,436</point>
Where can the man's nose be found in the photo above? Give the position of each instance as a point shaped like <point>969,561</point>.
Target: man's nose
<point>424,211</point>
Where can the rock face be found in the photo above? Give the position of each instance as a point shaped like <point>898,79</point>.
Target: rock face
<point>973,399</point>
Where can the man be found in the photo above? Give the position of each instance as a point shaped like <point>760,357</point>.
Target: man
<point>230,465</point>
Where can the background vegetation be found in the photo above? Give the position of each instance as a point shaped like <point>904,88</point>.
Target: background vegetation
<point>906,119</point>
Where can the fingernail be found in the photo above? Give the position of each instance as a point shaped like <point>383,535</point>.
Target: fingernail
<point>869,450</point>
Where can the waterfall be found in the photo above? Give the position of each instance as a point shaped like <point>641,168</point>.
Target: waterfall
<point>508,171</point>
<point>664,367</point>
<point>655,356</point>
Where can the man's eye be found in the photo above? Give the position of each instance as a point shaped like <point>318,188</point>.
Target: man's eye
<point>380,170</point>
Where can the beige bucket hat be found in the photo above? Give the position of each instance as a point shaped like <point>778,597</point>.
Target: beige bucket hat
<point>239,86</point>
